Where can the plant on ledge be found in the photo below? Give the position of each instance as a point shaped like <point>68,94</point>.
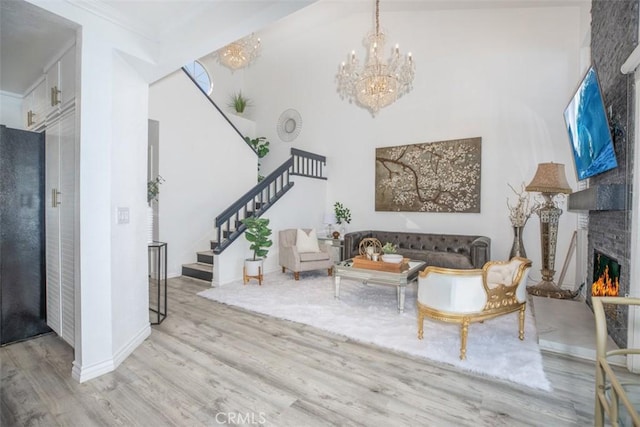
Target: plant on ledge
<point>257,233</point>
<point>342,213</point>
<point>239,103</point>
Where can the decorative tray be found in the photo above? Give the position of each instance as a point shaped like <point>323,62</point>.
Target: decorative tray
<point>360,261</point>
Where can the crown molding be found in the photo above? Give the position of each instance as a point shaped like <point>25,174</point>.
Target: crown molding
<point>103,10</point>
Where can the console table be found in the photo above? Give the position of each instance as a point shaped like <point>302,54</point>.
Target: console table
<point>157,281</point>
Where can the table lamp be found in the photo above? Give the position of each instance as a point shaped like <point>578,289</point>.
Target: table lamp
<point>550,180</point>
<point>329,220</point>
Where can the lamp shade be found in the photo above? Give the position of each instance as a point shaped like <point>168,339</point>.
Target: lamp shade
<point>329,218</point>
<point>549,178</point>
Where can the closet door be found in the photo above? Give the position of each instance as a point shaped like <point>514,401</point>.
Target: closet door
<point>22,280</point>
<point>52,221</point>
<point>67,224</point>
<point>60,220</point>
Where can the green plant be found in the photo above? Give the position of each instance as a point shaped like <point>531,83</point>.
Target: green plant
<point>342,213</point>
<point>239,102</point>
<point>261,146</point>
<point>257,233</point>
<point>389,248</point>
<point>153,188</point>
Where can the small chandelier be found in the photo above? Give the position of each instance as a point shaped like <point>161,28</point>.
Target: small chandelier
<point>378,83</point>
<point>240,53</point>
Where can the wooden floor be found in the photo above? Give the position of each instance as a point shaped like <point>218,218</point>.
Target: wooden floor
<point>209,364</point>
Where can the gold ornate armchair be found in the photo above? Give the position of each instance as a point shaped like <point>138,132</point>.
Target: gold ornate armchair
<point>619,400</point>
<point>467,296</point>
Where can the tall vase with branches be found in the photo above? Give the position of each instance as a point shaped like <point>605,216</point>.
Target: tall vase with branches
<point>519,214</point>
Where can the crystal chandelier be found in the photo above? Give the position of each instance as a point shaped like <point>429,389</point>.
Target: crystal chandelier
<point>379,83</point>
<point>240,53</point>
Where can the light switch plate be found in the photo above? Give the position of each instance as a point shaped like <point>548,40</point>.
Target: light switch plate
<point>123,215</point>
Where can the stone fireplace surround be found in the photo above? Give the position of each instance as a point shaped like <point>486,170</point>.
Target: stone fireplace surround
<point>609,199</point>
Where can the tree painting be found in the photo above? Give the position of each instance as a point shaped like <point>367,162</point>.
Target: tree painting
<point>439,176</point>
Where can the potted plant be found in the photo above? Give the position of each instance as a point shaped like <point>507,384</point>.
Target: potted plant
<point>389,248</point>
<point>343,214</point>
<point>153,190</point>
<point>258,234</point>
<point>389,253</point>
<point>239,102</point>
<point>261,146</point>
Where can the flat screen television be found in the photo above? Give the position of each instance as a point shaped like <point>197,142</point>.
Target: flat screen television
<point>588,128</point>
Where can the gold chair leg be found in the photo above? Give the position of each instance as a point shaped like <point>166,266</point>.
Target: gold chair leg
<point>521,322</point>
<point>296,275</point>
<point>330,271</point>
<point>283,269</point>
<point>464,330</point>
<point>420,326</point>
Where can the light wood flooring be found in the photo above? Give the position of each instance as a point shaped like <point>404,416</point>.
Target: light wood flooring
<point>209,364</point>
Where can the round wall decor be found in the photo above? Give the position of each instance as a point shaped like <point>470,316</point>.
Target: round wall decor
<point>289,125</point>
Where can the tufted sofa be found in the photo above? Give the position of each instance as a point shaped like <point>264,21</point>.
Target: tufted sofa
<point>440,250</point>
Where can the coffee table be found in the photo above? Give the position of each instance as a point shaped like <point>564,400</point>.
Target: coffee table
<point>400,280</point>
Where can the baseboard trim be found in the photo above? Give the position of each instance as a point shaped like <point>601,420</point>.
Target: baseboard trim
<point>85,373</point>
<point>129,348</point>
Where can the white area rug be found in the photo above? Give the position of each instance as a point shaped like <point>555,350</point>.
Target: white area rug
<point>368,313</point>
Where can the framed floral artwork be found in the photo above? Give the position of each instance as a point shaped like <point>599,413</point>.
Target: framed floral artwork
<point>442,176</point>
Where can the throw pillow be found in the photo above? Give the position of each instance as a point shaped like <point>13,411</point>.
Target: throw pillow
<point>307,242</point>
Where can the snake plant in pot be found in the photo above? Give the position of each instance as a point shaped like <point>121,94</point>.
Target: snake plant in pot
<point>258,235</point>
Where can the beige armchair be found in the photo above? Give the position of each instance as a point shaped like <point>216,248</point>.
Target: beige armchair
<point>311,257</point>
<point>467,296</point>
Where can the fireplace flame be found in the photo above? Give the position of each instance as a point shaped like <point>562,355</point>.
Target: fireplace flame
<point>605,286</point>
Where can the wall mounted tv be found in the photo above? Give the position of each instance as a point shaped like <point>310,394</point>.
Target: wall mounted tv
<point>588,128</point>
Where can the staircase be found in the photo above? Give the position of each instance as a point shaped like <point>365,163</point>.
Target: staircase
<point>254,203</point>
<point>203,268</point>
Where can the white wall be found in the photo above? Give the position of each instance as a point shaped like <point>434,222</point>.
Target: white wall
<point>112,294</point>
<point>94,299</point>
<point>11,110</point>
<point>129,285</point>
<point>205,164</point>
<point>505,75</point>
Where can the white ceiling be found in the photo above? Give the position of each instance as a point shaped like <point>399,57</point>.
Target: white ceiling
<point>30,37</point>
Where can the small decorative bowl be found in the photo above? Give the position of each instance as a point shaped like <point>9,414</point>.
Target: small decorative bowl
<point>393,258</point>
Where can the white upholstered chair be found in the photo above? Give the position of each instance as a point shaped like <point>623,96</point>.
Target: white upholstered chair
<point>299,253</point>
<point>467,296</point>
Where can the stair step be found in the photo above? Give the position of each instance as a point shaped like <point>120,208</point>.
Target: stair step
<point>205,257</point>
<point>198,270</point>
<point>213,244</point>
